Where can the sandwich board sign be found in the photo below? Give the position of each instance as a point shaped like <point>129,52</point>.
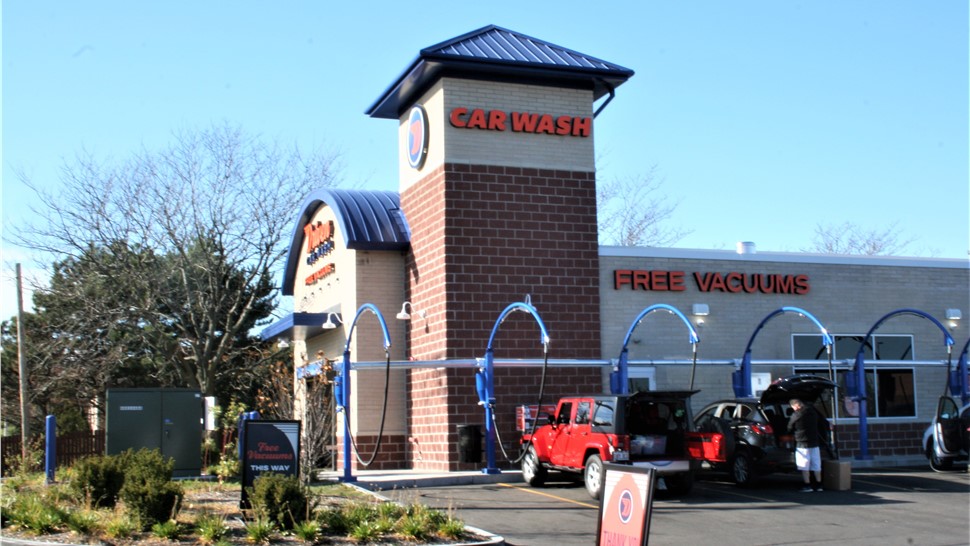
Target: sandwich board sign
<point>269,447</point>
<point>626,505</point>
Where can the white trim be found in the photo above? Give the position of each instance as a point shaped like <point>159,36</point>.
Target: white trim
<point>783,257</point>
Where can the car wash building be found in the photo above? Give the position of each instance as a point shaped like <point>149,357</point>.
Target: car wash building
<point>497,205</point>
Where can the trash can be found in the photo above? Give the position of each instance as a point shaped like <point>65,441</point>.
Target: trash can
<point>469,443</point>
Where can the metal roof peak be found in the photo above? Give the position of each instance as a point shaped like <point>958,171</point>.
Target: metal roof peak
<point>503,54</point>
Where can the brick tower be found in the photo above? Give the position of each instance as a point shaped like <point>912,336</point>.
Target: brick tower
<point>498,185</point>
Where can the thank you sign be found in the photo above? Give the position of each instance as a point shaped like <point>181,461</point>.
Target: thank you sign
<point>625,506</point>
<point>269,447</point>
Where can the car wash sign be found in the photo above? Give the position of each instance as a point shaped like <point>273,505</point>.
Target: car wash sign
<point>520,122</point>
<point>319,244</point>
<point>269,447</point>
<point>626,506</point>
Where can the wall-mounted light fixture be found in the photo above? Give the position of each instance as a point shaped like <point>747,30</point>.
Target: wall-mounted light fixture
<point>954,316</point>
<point>700,310</point>
<point>404,315</point>
<point>330,324</point>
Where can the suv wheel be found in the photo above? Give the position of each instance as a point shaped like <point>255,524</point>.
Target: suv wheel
<point>593,476</point>
<point>741,471</point>
<point>533,472</point>
<point>938,464</point>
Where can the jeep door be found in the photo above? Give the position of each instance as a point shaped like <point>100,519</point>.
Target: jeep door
<point>579,434</point>
<point>562,431</point>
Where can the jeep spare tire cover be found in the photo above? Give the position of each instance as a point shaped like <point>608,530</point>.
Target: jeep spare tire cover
<point>807,388</point>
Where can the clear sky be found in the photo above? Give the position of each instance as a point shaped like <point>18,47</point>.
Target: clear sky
<point>765,118</point>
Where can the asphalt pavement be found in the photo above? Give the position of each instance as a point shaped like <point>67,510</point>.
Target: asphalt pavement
<point>884,506</point>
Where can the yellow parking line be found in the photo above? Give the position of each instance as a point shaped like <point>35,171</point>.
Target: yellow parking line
<point>536,492</point>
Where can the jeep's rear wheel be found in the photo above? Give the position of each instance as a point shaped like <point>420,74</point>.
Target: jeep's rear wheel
<point>533,472</point>
<point>593,476</point>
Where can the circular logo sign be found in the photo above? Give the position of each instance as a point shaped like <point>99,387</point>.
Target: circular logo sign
<point>417,141</point>
<point>625,506</point>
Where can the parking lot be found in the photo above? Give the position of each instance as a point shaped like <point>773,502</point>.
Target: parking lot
<point>885,506</point>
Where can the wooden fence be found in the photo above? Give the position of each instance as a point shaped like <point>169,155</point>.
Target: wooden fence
<point>70,447</point>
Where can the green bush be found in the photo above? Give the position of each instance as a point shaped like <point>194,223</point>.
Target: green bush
<point>97,480</point>
<point>282,499</point>
<point>148,493</point>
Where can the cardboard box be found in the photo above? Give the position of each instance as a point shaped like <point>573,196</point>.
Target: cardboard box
<point>837,475</point>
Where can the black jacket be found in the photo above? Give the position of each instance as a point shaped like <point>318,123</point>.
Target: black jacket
<point>804,424</point>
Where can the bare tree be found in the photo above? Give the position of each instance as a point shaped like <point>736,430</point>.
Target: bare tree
<point>850,238</point>
<point>206,222</point>
<point>632,212</point>
<point>276,399</point>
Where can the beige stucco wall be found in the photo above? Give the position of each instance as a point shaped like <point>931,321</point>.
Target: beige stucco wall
<point>360,277</point>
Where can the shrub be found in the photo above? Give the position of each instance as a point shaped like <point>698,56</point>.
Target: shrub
<point>259,530</point>
<point>97,480</point>
<point>166,529</point>
<point>119,527</point>
<point>36,514</point>
<point>282,499</point>
<point>83,522</point>
<point>211,528</point>
<point>307,531</point>
<point>148,493</point>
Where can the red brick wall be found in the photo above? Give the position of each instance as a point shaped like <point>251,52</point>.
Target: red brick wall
<point>482,238</point>
<point>390,456</point>
<point>885,439</point>
<point>485,236</point>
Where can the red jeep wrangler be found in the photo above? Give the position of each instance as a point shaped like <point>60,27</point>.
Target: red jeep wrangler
<point>652,428</point>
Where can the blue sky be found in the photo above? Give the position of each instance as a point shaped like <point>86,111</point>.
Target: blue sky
<point>764,118</point>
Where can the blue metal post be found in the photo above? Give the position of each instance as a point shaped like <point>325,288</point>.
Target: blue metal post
<point>345,386</point>
<point>620,378</point>
<point>50,451</point>
<point>490,467</point>
<point>345,382</point>
<point>860,375</point>
<point>861,397</point>
<point>489,379</point>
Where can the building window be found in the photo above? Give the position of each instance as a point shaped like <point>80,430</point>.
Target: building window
<point>890,392</point>
<point>846,347</point>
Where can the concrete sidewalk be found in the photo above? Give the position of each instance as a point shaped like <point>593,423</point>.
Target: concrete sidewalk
<point>385,480</point>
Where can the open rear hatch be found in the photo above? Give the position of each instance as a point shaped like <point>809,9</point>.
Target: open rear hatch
<point>807,388</point>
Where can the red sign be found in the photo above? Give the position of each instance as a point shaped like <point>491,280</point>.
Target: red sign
<point>520,122</point>
<point>733,282</point>
<point>626,506</point>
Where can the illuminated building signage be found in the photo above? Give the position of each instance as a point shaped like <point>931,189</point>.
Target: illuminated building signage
<point>418,134</point>
<point>319,243</point>
<point>520,122</point>
<point>733,282</point>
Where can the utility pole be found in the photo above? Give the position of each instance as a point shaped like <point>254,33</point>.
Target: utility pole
<point>22,362</point>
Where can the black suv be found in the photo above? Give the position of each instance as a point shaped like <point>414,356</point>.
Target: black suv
<point>753,433</point>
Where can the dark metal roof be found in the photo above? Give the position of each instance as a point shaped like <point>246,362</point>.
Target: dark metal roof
<point>368,220</point>
<point>499,53</point>
<point>295,325</point>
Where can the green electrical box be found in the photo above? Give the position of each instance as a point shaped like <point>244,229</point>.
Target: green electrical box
<point>169,420</point>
